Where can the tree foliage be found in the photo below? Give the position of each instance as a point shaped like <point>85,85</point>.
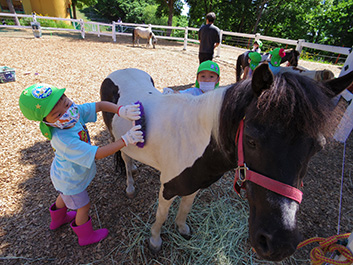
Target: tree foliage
<point>80,4</point>
<point>319,21</point>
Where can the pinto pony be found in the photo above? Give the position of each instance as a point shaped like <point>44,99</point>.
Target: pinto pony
<point>144,33</point>
<point>274,124</point>
<point>292,56</point>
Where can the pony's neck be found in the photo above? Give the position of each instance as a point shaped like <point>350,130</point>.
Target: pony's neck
<point>209,105</point>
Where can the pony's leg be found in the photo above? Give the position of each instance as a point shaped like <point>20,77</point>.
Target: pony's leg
<point>130,189</point>
<point>155,242</point>
<point>184,209</point>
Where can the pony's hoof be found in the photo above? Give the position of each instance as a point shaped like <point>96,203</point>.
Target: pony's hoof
<point>134,171</point>
<point>154,249</point>
<point>185,231</point>
<point>130,193</point>
<point>186,236</point>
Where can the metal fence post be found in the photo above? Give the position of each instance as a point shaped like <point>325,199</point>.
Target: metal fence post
<point>220,43</point>
<point>98,31</point>
<point>114,31</point>
<point>257,37</point>
<point>348,64</point>
<point>82,25</point>
<point>299,46</point>
<point>185,38</point>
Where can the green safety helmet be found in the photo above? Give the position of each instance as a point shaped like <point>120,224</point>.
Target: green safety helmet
<point>255,58</point>
<point>276,56</point>
<point>37,101</point>
<point>207,66</point>
<point>259,43</point>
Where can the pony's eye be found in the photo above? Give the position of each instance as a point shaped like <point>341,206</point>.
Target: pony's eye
<point>251,143</point>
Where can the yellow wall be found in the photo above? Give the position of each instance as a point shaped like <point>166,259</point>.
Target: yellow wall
<point>51,8</point>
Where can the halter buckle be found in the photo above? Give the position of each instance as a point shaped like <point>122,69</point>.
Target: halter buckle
<point>240,178</point>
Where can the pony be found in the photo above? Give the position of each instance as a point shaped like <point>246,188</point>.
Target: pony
<point>273,123</point>
<point>145,33</point>
<point>292,56</point>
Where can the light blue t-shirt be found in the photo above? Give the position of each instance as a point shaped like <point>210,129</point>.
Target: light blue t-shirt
<point>192,90</point>
<point>74,167</point>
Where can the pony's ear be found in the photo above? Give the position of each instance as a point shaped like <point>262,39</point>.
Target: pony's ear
<point>262,79</point>
<point>337,85</point>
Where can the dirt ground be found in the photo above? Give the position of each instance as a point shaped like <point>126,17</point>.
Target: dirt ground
<point>66,60</point>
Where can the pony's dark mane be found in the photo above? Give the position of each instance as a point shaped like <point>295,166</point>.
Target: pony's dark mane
<point>236,98</point>
<point>295,103</point>
<point>299,104</point>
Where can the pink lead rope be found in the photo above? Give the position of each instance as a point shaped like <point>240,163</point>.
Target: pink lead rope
<point>268,183</point>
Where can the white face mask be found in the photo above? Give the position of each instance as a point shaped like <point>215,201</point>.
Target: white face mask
<point>68,119</point>
<point>207,86</point>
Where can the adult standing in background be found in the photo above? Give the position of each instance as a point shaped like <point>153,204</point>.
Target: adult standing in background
<point>209,37</point>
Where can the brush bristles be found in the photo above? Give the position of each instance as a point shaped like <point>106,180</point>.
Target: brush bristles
<point>142,122</point>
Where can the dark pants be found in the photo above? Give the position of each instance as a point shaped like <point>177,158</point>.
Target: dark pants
<point>205,57</point>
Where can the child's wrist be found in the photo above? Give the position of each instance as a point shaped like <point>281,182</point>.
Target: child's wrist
<point>118,110</point>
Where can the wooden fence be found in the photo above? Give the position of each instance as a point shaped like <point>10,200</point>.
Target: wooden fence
<point>182,34</point>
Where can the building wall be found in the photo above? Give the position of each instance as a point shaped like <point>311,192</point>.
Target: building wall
<point>52,8</point>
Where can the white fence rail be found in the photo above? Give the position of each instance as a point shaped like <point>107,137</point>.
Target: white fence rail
<point>106,29</point>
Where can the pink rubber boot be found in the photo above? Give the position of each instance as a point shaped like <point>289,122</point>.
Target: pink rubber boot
<point>86,234</point>
<point>60,216</point>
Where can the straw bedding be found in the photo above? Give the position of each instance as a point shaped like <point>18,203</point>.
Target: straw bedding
<point>65,60</point>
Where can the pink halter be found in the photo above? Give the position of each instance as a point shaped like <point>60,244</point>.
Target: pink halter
<point>268,183</point>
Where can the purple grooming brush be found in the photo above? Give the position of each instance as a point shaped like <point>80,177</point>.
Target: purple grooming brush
<point>142,122</point>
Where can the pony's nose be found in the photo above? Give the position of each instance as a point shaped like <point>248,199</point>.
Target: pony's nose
<point>264,244</point>
<point>268,248</point>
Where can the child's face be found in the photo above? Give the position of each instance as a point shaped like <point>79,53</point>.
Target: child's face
<point>59,109</point>
<point>256,45</point>
<point>207,76</point>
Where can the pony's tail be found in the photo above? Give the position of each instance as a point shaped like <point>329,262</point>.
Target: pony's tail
<point>238,69</point>
<point>110,92</point>
<point>133,37</point>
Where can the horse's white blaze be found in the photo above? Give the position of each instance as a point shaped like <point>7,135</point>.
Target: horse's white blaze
<point>289,210</point>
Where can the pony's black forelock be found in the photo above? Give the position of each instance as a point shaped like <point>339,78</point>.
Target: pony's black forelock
<point>297,103</point>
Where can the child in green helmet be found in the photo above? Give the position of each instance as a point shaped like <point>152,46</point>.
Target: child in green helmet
<point>73,167</point>
<point>257,46</point>
<point>207,79</point>
<point>254,60</point>
<point>276,59</point>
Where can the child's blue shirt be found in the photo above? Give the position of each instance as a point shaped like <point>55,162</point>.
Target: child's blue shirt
<point>195,91</point>
<point>74,167</point>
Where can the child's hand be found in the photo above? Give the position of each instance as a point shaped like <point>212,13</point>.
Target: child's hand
<point>133,136</point>
<point>130,112</point>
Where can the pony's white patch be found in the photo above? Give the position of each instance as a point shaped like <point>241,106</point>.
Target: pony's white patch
<point>179,126</point>
<point>289,210</point>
